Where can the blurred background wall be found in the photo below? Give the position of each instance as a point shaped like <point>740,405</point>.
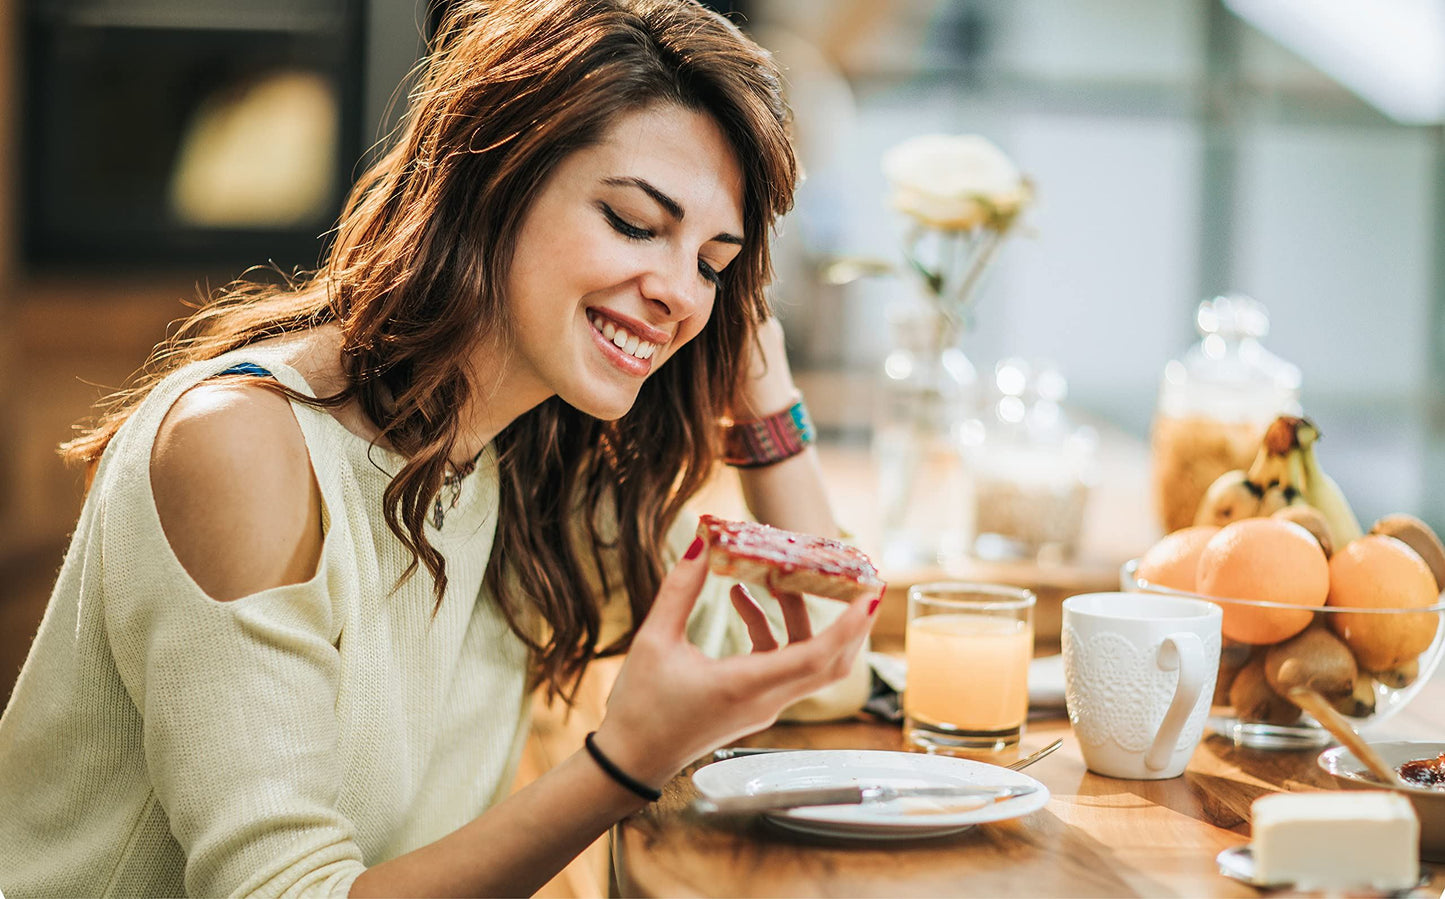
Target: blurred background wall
<point>153,149</point>
<point>1179,150</point>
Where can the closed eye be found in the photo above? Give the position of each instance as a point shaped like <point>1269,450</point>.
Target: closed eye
<point>709,274</point>
<point>623,226</point>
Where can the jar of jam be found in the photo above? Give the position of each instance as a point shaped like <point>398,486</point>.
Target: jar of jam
<point>1214,405</point>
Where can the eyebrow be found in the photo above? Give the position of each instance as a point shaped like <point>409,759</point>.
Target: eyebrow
<point>671,206</point>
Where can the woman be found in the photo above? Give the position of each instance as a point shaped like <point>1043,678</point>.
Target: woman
<point>344,528</point>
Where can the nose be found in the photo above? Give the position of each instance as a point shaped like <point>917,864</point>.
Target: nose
<point>675,288</point>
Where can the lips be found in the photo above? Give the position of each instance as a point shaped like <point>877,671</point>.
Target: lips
<point>623,339</point>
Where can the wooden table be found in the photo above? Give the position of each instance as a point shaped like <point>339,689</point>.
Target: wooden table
<point>1097,836</point>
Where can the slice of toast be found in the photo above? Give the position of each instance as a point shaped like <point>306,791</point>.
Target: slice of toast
<point>786,560</point>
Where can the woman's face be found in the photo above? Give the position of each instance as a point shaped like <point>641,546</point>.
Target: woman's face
<point>617,261</point>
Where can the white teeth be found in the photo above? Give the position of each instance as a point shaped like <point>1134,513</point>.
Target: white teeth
<point>624,341</point>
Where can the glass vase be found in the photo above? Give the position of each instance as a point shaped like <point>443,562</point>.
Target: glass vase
<point>927,396</point>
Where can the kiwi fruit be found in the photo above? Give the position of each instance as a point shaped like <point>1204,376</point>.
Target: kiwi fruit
<point>1400,676</point>
<point>1419,536</point>
<point>1232,657</point>
<point>1312,520</point>
<point>1315,658</point>
<point>1255,701</point>
<point>1360,703</point>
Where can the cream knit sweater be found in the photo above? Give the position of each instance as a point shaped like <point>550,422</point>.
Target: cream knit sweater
<point>159,742</point>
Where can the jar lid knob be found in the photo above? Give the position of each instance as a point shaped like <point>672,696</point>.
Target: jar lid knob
<point>1233,316</point>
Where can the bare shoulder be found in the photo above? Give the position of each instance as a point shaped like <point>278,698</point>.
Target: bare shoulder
<point>235,491</point>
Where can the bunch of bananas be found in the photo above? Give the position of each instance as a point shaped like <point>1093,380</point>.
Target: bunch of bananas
<point>1285,480</point>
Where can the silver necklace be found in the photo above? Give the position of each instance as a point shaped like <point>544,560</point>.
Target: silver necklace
<point>452,484</point>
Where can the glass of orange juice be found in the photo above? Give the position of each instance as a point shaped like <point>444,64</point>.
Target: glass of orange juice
<point>968,648</point>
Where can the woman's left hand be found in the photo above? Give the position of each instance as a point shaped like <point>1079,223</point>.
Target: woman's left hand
<point>768,381</point>
<point>789,494</point>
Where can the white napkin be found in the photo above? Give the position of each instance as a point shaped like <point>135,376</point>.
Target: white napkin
<point>1046,678</point>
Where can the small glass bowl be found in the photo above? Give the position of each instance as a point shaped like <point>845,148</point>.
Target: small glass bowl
<point>1351,774</point>
<point>1305,733</point>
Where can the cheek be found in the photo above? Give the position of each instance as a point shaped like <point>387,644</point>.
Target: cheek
<point>696,322</point>
<point>571,256</point>
<point>685,334</point>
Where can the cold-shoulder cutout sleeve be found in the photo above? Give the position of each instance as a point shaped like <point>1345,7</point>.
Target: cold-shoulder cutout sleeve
<point>235,491</point>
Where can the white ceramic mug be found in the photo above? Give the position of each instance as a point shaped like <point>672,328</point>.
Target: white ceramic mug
<point>1139,673</point>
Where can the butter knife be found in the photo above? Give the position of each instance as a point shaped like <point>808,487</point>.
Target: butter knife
<point>734,752</point>
<point>860,794</point>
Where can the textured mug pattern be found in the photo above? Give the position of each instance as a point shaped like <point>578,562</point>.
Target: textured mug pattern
<point>1127,693</point>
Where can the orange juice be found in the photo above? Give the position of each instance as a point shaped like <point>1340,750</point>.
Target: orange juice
<point>968,671</point>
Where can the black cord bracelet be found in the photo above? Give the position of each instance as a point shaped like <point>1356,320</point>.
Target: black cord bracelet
<point>617,774</point>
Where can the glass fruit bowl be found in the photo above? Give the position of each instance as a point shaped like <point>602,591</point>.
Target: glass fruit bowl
<point>1368,662</point>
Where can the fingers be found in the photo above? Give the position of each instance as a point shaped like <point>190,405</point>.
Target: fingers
<point>753,616</point>
<point>799,668</point>
<point>679,592</point>
<point>795,614</point>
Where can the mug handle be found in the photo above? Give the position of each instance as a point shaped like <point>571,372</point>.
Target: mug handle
<point>1184,651</point>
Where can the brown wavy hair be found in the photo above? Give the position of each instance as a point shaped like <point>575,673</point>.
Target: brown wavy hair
<point>415,279</point>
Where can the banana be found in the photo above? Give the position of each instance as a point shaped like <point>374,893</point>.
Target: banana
<point>1269,468</point>
<point>1231,497</point>
<point>1284,498</point>
<point>1278,469</point>
<point>1418,536</point>
<point>1321,491</point>
<point>1278,497</point>
<point>1295,469</point>
<point>1282,435</point>
<point>1273,481</point>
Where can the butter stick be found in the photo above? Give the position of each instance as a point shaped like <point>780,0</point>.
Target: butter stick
<point>1336,840</point>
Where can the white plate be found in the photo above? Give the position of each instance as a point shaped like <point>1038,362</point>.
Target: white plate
<point>899,819</point>
<point>1237,862</point>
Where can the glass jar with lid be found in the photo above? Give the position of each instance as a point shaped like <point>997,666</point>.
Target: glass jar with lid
<point>1214,405</point>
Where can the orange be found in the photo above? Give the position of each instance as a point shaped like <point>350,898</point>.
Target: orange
<point>1266,560</point>
<point>1173,561</point>
<point>1379,572</point>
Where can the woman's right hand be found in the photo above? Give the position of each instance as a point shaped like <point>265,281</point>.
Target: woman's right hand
<point>671,703</point>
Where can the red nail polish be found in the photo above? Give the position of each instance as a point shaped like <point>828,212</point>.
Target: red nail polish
<point>873,606</point>
<point>693,550</point>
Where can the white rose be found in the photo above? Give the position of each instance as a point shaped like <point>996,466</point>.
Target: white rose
<point>955,181</point>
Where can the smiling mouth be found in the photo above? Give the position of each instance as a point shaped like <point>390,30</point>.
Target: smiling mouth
<point>621,338</point>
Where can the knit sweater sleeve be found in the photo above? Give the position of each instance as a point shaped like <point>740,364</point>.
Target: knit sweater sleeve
<point>238,702</point>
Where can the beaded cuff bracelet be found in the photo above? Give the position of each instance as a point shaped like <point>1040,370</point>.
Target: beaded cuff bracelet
<point>767,441</point>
